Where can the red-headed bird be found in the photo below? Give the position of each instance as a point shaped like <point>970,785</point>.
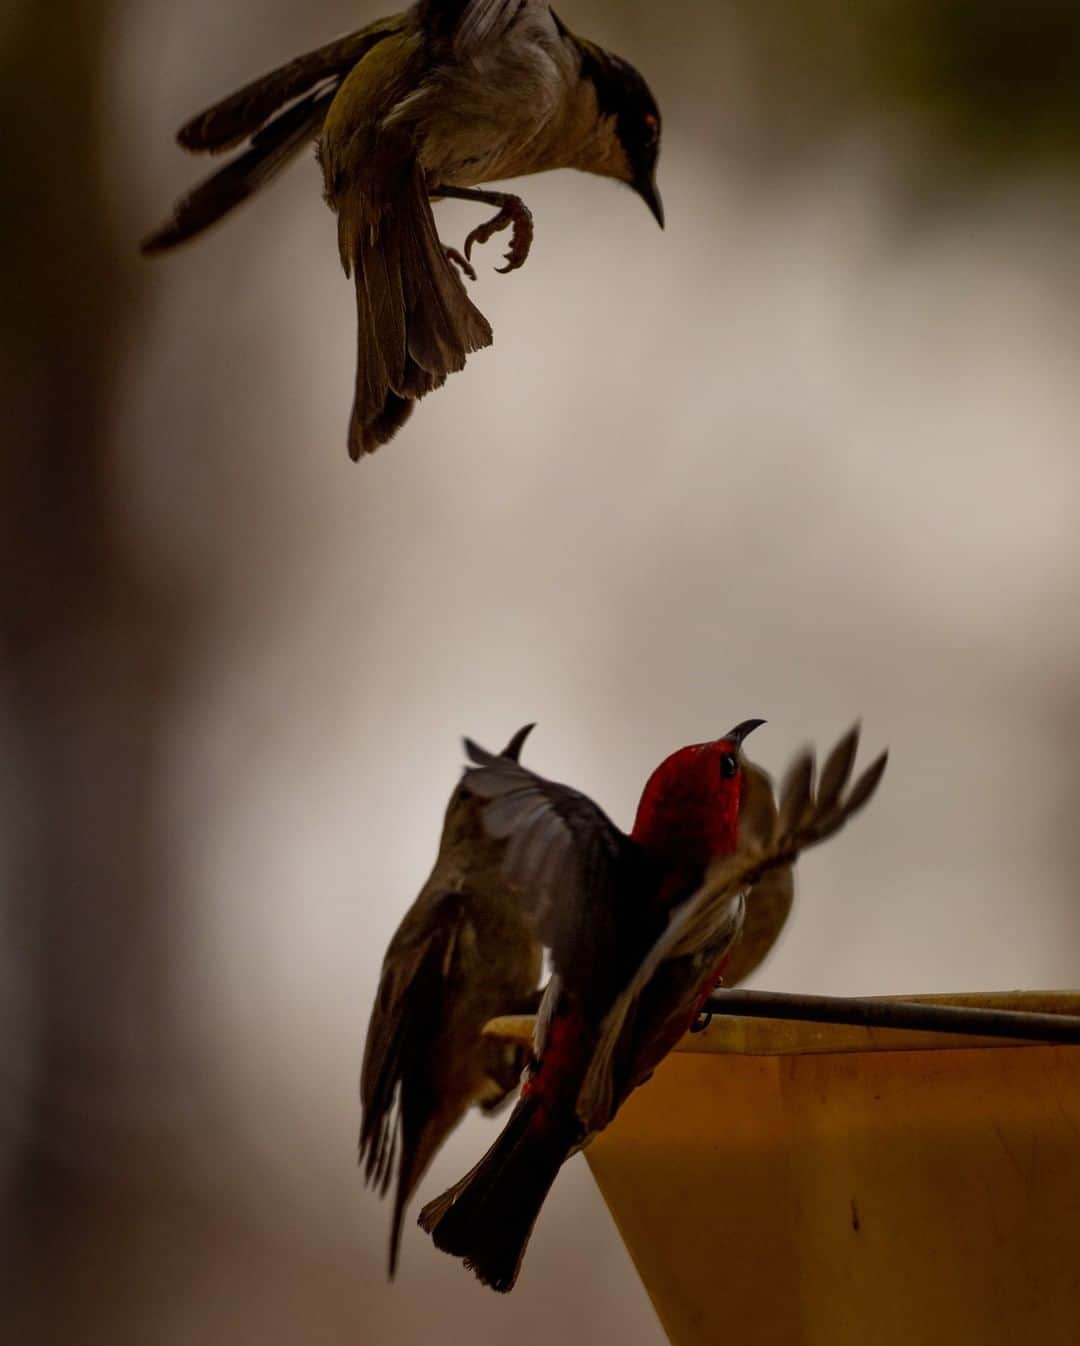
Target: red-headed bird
<point>638,928</point>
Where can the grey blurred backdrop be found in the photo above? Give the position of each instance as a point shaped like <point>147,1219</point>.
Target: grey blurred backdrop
<point>808,455</point>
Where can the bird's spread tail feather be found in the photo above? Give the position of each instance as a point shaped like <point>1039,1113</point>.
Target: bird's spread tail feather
<point>416,323</point>
<point>486,1218</point>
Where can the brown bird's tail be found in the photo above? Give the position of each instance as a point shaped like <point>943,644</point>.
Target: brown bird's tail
<point>487,1217</point>
<point>416,323</point>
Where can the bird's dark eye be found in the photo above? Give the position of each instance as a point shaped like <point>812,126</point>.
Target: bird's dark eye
<point>728,765</point>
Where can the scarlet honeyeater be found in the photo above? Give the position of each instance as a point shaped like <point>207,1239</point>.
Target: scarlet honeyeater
<point>600,900</point>
<point>463,954</point>
<point>638,926</point>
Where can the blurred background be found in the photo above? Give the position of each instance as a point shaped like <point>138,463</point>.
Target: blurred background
<point>808,455</point>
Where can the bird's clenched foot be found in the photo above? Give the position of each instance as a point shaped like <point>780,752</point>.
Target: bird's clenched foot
<point>515,215</point>
<point>701,1022</point>
<point>462,263</point>
<point>512,214</point>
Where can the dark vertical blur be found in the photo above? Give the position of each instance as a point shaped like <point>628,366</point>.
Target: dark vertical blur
<point>136,1206</point>
<point>91,649</point>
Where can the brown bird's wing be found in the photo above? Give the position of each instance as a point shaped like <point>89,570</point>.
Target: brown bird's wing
<point>767,908</point>
<point>281,113</point>
<point>241,114</point>
<point>416,958</point>
<point>564,857</point>
<point>802,820</point>
<point>405,1020</point>
<point>271,149</point>
<point>769,902</point>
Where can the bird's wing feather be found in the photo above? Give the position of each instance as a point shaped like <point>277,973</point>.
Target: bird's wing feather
<point>414,973</point>
<point>804,820</point>
<point>801,821</point>
<point>241,114</point>
<point>564,857</point>
<point>271,149</point>
<point>769,900</point>
<point>768,906</point>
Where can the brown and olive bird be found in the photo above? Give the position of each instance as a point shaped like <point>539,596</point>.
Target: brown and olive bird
<point>463,954</point>
<point>429,103</point>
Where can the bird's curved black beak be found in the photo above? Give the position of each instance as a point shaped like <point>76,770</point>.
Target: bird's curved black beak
<point>647,189</point>
<point>743,730</point>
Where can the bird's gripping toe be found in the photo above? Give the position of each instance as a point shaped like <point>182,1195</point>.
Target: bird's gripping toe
<point>461,262</point>
<point>512,214</point>
<point>515,215</point>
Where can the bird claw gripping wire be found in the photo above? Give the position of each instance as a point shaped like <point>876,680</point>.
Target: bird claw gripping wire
<point>702,1022</point>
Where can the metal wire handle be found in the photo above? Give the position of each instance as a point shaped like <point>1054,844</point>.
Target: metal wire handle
<point>1022,1025</point>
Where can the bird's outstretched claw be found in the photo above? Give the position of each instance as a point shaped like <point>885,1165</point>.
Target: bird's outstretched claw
<point>701,1022</point>
<point>513,214</point>
<point>462,263</point>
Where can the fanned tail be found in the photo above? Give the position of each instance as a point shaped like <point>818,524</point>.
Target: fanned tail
<point>486,1218</point>
<point>416,323</point>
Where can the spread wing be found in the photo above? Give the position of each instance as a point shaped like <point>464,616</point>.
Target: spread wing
<point>564,857</point>
<point>278,115</point>
<point>805,818</point>
<point>773,839</point>
<point>270,150</point>
<point>769,902</point>
<point>413,974</point>
<point>316,72</point>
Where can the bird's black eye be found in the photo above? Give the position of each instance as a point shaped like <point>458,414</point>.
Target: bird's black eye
<point>729,764</point>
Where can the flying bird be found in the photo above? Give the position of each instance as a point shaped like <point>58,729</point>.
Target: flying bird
<point>638,926</point>
<point>463,954</point>
<point>428,103</point>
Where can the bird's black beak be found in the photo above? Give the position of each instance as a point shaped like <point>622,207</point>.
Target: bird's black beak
<point>647,189</point>
<point>742,731</point>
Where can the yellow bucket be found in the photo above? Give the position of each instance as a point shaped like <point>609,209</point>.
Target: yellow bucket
<point>784,1184</point>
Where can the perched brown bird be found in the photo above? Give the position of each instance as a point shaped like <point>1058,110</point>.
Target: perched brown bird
<point>428,103</point>
<point>463,954</point>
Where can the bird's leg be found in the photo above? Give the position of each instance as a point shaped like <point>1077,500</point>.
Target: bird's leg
<point>703,1017</point>
<point>513,213</point>
<point>462,263</point>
